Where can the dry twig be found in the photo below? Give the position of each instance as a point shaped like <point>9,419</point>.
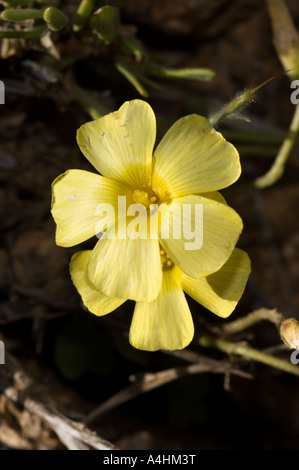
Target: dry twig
<point>14,383</point>
<point>150,381</point>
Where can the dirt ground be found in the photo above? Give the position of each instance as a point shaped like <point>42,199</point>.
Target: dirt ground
<point>78,360</point>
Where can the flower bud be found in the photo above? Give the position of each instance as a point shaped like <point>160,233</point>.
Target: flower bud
<point>55,19</point>
<point>289,332</point>
<point>105,23</point>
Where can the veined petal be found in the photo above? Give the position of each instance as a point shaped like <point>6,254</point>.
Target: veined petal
<point>199,234</point>
<point>95,301</point>
<point>120,144</point>
<point>193,158</point>
<point>215,196</point>
<point>221,291</point>
<point>77,199</point>
<point>164,323</point>
<point>128,268</point>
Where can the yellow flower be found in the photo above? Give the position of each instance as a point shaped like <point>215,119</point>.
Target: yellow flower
<point>166,322</point>
<point>190,164</point>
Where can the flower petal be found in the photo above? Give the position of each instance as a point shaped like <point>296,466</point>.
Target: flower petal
<point>215,196</point>
<point>120,145</point>
<point>221,291</point>
<point>199,245</point>
<point>130,269</point>
<point>165,323</point>
<point>95,301</point>
<point>77,196</point>
<point>193,158</point>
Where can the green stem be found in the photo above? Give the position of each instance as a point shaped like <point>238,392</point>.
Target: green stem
<point>28,33</point>
<point>243,350</point>
<point>252,318</point>
<point>128,74</point>
<point>14,3</point>
<point>94,108</point>
<point>83,13</point>
<point>201,74</point>
<point>277,168</point>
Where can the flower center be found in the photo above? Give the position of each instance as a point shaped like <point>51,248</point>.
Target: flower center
<point>166,262</point>
<point>145,197</point>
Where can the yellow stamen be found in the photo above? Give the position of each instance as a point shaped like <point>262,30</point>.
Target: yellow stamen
<point>166,262</point>
<point>145,197</point>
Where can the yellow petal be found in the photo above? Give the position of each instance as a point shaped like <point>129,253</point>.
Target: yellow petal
<point>130,269</point>
<point>211,239</point>
<point>165,323</point>
<point>221,291</point>
<point>120,145</point>
<point>215,196</point>
<point>77,197</point>
<point>193,158</point>
<point>95,301</point>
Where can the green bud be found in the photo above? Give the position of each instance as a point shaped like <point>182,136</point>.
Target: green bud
<point>105,23</point>
<point>237,103</point>
<point>83,13</point>
<point>289,332</point>
<point>55,19</point>
<point>21,14</point>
